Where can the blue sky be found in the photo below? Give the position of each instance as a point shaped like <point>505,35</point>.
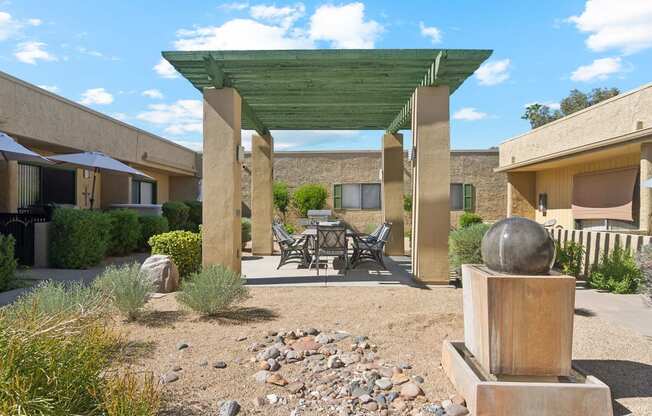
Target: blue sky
<point>107,54</point>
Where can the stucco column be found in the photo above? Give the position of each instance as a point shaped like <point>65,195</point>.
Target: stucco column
<point>521,194</point>
<point>9,186</point>
<point>221,240</point>
<point>645,223</point>
<point>431,173</point>
<point>392,190</point>
<point>262,201</point>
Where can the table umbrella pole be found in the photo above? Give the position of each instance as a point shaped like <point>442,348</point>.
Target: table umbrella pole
<point>93,188</point>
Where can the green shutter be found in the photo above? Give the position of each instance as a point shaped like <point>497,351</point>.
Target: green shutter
<point>469,197</point>
<point>337,196</point>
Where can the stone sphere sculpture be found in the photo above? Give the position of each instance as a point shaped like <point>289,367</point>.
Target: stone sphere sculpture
<point>518,245</point>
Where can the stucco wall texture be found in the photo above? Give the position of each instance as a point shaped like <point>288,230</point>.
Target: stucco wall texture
<point>330,168</point>
<point>615,117</point>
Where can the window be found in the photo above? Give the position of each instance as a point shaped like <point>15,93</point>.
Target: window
<point>357,196</point>
<point>143,192</point>
<point>462,197</point>
<point>44,185</point>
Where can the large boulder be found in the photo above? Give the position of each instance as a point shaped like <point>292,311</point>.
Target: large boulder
<point>162,272</point>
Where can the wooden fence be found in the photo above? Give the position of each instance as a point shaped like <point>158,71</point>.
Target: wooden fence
<point>597,242</point>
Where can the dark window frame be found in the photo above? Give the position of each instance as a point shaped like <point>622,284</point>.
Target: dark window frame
<point>136,194</point>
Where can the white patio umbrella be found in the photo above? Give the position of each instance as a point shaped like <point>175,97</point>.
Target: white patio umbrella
<point>11,150</point>
<point>97,162</point>
<point>648,183</point>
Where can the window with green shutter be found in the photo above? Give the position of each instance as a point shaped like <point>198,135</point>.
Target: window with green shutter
<point>337,196</point>
<point>469,197</point>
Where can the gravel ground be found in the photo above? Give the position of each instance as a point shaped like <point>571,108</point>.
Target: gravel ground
<point>407,325</point>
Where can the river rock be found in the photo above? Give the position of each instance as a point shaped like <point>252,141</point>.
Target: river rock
<point>410,391</point>
<point>162,272</point>
<point>229,408</point>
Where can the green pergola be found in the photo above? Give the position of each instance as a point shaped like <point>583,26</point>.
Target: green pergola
<point>327,89</point>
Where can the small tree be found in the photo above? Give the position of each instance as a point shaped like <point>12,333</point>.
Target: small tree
<point>539,114</point>
<point>407,203</point>
<point>310,196</point>
<point>281,197</point>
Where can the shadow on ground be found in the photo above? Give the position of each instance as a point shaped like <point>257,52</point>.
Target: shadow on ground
<point>241,316</point>
<point>133,351</point>
<point>624,378</point>
<point>160,319</point>
<point>584,312</point>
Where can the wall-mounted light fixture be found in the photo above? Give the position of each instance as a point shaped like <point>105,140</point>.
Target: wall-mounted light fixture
<point>543,203</point>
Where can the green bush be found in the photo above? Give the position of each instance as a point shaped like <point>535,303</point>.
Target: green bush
<point>616,272</point>
<point>126,287</point>
<point>213,290</point>
<point>469,218</point>
<point>407,203</point>
<point>79,238</point>
<point>281,195</point>
<point>125,231</point>
<point>289,228</point>
<point>55,298</point>
<point>569,258</point>
<point>309,196</point>
<point>177,214</point>
<point>464,245</point>
<point>246,230</point>
<point>184,247</point>
<point>151,225</point>
<point>194,215</point>
<point>7,261</point>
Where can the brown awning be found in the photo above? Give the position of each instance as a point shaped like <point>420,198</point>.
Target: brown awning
<point>604,195</point>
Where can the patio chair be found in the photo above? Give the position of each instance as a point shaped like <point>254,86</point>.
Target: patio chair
<point>370,248</point>
<point>331,241</point>
<point>293,249</point>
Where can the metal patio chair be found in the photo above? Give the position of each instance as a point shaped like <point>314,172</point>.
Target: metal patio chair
<point>371,248</point>
<point>331,241</point>
<point>293,249</point>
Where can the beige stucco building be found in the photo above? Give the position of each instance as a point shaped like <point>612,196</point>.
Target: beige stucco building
<point>360,171</point>
<point>586,170</point>
<point>49,124</point>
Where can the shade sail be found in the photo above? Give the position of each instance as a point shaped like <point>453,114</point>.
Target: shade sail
<point>604,195</point>
<point>97,161</point>
<point>11,150</point>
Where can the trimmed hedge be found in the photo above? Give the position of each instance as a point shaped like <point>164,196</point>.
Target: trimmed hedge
<point>184,247</point>
<point>79,238</point>
<point>7,260</point>
<point>469,218</point>
<point>309,196</point>
<point>194,215</point>
<point>151,225</point>
<point>125,231</point>
<point>177,214</point>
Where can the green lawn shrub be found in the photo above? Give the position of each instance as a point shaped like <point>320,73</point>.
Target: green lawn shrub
<point>212,291</point>
<point>127,288</point>
<point>469,218</point>
<point>281,195</point>
<point>184,247</point>
<point>7,261</point>
<point>616,272</point>
<point>309,196</point>
<point>151,225</point>
<point>125,231</point>
<point>246,230</point>
<point>194,215</point>
<point>289,228</point>
<point>569,258</point>
<point>79,238</point>
<point>177,214</point>
<point>464,245</point>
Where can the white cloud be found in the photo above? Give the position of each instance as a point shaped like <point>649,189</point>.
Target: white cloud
<point>286,16</point>
<point>196,145</point>
<point>431,32</point>
<point>600,69</point>
<point>30,52</point>
<point>625,25</point>
<point>98,96</point>
<point>153,93</point>
<point>344,26</point>
<point>165,70</point>
<point>234,6</point>
<point>493,73</point>
<point>9,27</point>
<point>35,22</point>
<point>469,114</point>
<point>51,88</point>
<point>120,116</point>
<point>178,118</point>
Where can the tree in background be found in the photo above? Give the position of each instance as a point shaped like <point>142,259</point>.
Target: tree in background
<point>309,196</point>
<point>539,114</point>
<point>281,197</point>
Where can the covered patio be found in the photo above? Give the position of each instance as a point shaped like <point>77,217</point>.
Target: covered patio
<point>386,90</point>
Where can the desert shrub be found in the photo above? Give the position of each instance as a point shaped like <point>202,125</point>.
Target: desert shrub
<point>281,195</point>
<point>125,231</point>
<point>184,247</point>
<point>469,218</point>
<point>289,228</point>
<point>55,298</point>
<point>127,288</point>
<point>309,196</point>
<point>151,225</point>
<point>616,272</point>
<point>644,262</point>
<point>407,203</point>
<point>246,230</point>
<point>128,395</point>
<point>194,215</point>
<point>213,290</point>
<point>177,214</point>
<point>79,238</point>
<point>569,258</point>
<point>464,245</point>
<point>7,261</point>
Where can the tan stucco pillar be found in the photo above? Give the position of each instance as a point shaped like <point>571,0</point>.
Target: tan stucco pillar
<point>392,190</point>
<point>645,222</point>
<point>8,186</point>
<point>521,194</point>
<point>431,188</point>
<point>262,201</point>
<point>222,241</point>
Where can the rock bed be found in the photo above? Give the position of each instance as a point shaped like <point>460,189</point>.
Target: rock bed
<point>339,374</point>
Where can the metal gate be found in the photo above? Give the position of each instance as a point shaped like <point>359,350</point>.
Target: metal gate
<point>21,227</point>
